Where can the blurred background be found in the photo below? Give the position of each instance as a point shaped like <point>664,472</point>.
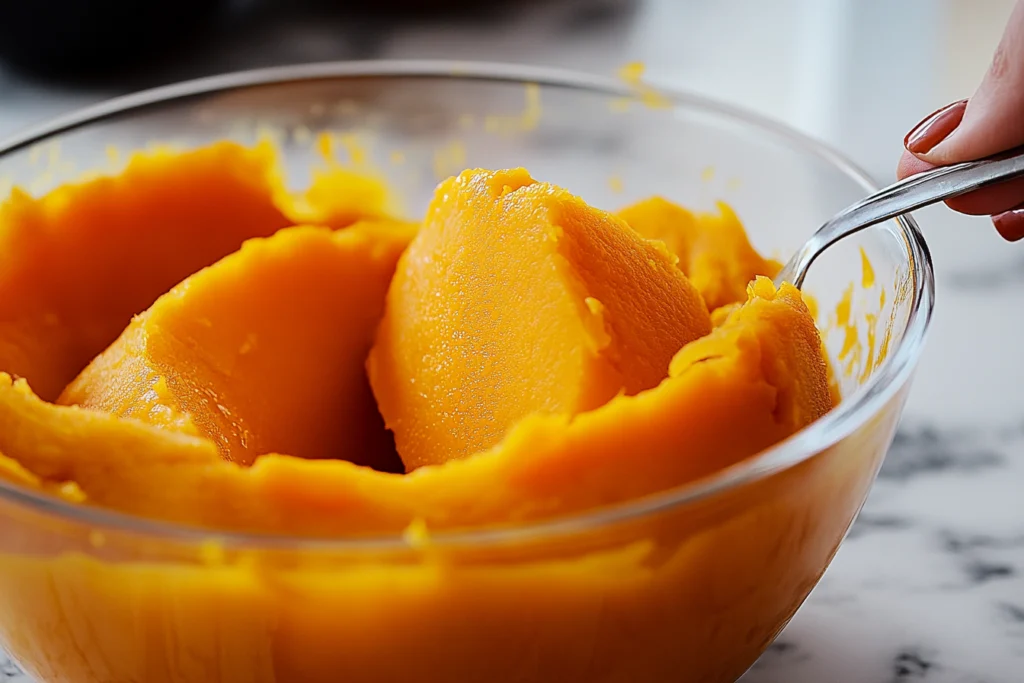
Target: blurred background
<point>855,73</point>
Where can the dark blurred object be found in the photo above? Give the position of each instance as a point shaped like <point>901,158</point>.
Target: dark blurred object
<point>59,38</point>
<point>132,44</point>
<point>396,9</point>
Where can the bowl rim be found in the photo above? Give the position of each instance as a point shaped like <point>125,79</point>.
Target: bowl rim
<point>851,413</point>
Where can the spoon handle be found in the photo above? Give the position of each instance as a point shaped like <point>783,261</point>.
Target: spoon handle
<point>902,197</point>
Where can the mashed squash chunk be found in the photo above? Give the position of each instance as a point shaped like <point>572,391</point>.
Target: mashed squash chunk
<point>190,343</point>
<point>208,363</point>
<point>517,298</point>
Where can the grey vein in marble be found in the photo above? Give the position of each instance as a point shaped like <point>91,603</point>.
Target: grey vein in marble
<point>929,584</point>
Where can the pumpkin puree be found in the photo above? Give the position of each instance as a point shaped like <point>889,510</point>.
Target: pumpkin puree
<point>188,341</point>
<point>519,341</point>
<point>607,310</point>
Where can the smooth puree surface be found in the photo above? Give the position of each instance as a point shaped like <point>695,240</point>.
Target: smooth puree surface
<point>516,298</point>
<point>189,342</point>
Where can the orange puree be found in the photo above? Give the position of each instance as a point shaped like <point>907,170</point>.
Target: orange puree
<point>262,352</point>
<point>713,249</point>
<point>517,298</point>
<point>173,347</point>
<point>77,264</point>
<point>738,376</point>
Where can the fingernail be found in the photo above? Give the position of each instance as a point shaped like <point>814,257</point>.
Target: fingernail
<point>935,128</point>
<point>1010,224</point>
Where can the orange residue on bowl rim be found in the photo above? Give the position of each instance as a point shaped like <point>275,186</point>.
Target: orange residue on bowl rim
<point>632,74</point>
<point>871,325</point>
<point>355,146</point>
<point>522,122</point>
<point>867,270</point>
<point>860,357</point>
<point>449,159</point>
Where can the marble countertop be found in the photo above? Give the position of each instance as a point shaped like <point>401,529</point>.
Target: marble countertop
<point>930,584</point>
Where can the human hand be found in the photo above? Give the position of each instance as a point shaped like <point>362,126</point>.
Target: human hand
<point>991,121</point>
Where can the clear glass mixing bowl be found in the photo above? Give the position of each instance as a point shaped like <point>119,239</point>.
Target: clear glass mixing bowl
<point>687,585</point>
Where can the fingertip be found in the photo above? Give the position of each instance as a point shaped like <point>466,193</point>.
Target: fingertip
<point>911,165</point>
<point>990,122</point>
<point>1010,224</point>
<point>986,202</point>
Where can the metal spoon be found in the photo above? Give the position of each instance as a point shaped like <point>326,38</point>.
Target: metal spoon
<point>905,196</point>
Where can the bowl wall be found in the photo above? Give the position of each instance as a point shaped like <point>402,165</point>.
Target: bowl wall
<point>675,588</point>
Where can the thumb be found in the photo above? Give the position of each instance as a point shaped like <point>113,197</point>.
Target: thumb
<point>992,120</point>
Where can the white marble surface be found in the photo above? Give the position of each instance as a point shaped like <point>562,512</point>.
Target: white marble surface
<point>930,584</point>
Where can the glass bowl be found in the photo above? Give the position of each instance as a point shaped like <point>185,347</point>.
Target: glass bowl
<point>691,584</point>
